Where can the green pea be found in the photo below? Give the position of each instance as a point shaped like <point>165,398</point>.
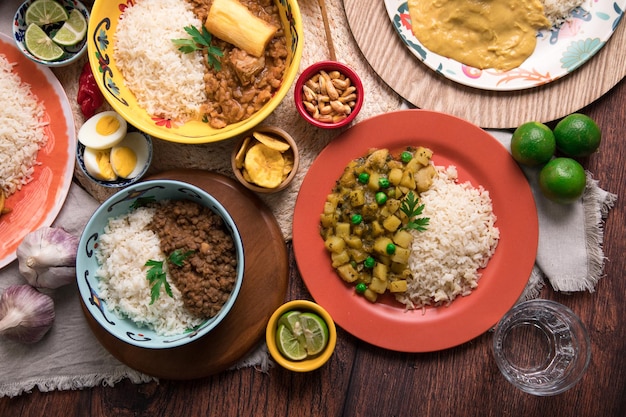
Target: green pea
<point>356,219</point>
<point>369,262</point>
<point>406,156</point>
<point>391,249</point>
<point>360,288</point>
<point>381,198</point>
<point>363,177</point>
<point>383,182</point>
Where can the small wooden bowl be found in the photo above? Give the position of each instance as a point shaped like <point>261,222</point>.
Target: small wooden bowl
<point>279,134</point>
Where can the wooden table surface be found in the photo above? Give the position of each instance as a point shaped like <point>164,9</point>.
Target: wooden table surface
<point>362,380</point>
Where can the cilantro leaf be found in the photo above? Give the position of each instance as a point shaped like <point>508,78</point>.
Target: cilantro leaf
<point>157,276</point>
<point>200,41</point>
<point>411,208</point>
<point>178,256</point>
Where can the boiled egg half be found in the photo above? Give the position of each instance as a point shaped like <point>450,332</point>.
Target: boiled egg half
<point>103,131</point>
<point>127,159</point>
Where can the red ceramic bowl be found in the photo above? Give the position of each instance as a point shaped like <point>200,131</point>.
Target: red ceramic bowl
<point>328,66</point>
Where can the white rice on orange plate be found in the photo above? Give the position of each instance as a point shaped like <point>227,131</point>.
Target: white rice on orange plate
<point>460,239</point>
<point>165,82</point>
<point>123,249</point>
<point>22,131</point>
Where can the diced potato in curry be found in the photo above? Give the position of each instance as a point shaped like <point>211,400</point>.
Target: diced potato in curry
<point>365,219</point>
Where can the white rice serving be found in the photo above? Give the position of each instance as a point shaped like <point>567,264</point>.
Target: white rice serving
<point>123,249</point>
<point>460,239</point>
<point>166,82</point>
<point>558,11</point>
<point>22,130</point>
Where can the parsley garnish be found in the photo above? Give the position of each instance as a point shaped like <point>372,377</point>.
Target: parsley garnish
<point>200,41</point>
<point>410,207</point>
<point>157,277</point>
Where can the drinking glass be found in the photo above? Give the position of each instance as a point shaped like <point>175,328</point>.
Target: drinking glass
<point>541,347</point>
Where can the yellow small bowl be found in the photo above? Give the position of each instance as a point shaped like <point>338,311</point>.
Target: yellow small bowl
<point>309,364</point>
<point>103,23</point>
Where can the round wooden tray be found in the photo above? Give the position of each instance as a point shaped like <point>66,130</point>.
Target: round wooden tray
<point>264,288</point>
<point>426,89</point>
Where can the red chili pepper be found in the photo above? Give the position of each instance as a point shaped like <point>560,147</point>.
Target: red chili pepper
<point>89,97</point>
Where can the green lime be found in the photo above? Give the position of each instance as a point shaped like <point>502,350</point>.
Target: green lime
<point>45,12</point>
<point>562,180</point>
<point>532,144</point>
<point>73,30</point>
<point>40,45</point>
<point>291,320</point>
<point>289,345</point>
<point>315,333</point>
<point>577,135</point>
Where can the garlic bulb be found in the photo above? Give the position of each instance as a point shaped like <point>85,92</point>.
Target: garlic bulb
<point>47,257</point>
<point>26,315</point>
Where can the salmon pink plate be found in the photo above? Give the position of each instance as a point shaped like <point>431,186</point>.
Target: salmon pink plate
<point>38,203</point>
<point>480,159</point>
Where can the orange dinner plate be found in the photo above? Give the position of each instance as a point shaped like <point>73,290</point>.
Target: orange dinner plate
<point>38,203</point>
<point>480,159</point>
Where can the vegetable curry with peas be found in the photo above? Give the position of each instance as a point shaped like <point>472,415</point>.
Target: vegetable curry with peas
<point>367,219</point>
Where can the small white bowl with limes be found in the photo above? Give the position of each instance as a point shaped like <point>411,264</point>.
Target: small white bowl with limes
<point>51,32</point>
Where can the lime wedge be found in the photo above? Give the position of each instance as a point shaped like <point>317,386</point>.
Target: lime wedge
<point>315,332</point>
<point>289,345</point>
<point>45,12</point>
<point>73,30</point>
<point>40,45</point>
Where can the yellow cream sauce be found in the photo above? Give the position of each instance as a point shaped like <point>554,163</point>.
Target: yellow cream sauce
<point>498,34</point>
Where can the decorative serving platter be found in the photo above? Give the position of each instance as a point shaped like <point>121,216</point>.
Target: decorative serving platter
<point>480,159</point>
<point>39,202</point>
<point>263,290</point>
<point>559,51</point>
<point>420,86</point>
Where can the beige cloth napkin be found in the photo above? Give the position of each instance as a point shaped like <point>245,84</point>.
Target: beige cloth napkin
<point>69,356</point>
<point>569,254</point>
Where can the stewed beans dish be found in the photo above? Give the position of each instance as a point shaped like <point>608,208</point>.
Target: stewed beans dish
<point>244,83</point>
<point>208,274</point>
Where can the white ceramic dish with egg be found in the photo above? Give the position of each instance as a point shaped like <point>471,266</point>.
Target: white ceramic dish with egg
<point>139,142</point>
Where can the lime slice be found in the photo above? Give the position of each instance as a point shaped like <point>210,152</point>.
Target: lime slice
<point>289,345</point>
<point>315,332</point>
<point>290,319</point>
<point>73,30</point>
<point>45,12</point>
<point>40,45</point>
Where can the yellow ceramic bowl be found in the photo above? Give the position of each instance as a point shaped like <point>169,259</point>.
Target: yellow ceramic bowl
<point>101,41</point>
<point>309,364</point>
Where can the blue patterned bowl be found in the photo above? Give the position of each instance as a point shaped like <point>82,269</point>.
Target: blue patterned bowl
<point>72,53</point>
<point>122,202</point>
<point>145,158</point>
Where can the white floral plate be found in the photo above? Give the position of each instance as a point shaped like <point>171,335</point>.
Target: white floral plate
<point>558,52</point>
